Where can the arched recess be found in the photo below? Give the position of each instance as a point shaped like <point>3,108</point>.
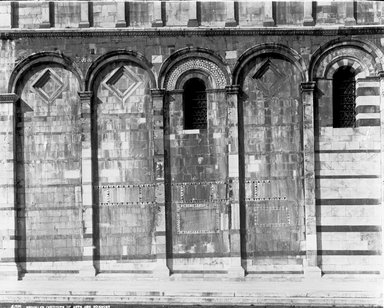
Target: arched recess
<point>364,52</point>
<point>189,59</point>
<point>116,55</point>
<point>196,163</point>
<point>361,56</point>
<point>125,209</point>
<point>47,163</point>
<point>339,190</point>
<point>39,59</point>
<point>271,159</point>
<point>282,51</point>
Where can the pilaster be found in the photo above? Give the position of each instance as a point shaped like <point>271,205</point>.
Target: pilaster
<point>161,270</point>
<point>193,14</point>
<point>84,15</point>
<point>8,206</point>
<point>350,8</point>
<point>157,14</point>
<point>311,269</point>
<point>309,13</point>
<point>268,14</point>
<point>87,269</point>
<point>236,269</point>
<point>6,15</point>
<point>46,8</point>
<point>231,7</point>
<point>121,18</point>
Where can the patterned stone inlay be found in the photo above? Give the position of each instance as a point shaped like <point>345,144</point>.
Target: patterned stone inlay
<point>129,195</point>
<point>196,64</point>
<point>361,59</point>
<point>195,218</point>
<point>269,78</point>
<point>123,82</point>
<point>49,85</point>
<point>276,216</point>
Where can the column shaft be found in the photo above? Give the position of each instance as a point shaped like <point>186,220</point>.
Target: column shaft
<point>310,266</point>
<point>87,268</point>
<point>8,206</point>
<point>236,270</point>
<point>161,269</point>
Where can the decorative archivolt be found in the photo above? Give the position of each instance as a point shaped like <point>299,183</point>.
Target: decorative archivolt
<point>362,62</point>
<point>361,55</point>
<point>43,59</point>
<point>216,75</point>
<point>360,70</point>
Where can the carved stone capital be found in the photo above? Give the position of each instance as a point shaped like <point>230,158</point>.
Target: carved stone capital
<point>85,95</point>
<point>308,86</point>
<point>157,93</point>
<point>8,98</point>
<point>232,89</point>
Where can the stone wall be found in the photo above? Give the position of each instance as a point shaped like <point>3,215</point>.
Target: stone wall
<point>48,173</point>
<point>101,177</point>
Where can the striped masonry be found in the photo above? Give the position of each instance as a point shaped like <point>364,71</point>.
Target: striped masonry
<point>368,102</point>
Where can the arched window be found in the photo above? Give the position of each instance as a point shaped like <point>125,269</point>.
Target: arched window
<point>195,104</point>
<point>344,85</point>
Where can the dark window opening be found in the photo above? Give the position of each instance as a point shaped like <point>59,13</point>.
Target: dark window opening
<point>195,104</point>
<point>344,97</point>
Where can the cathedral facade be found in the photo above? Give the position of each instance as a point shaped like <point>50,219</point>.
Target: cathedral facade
<point>178,140</point>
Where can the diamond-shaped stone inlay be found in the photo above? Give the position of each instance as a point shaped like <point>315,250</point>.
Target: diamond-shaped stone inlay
<point>269,78</point>
<point>49,85</point>
<point>123,82</point>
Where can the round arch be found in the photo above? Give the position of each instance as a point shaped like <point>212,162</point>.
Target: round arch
<point>269,49</point>
<point>193,74</point>
<point>118,55</point>
<point>193,60</point>
<point>359,68</point>
<point>366,55</point>
<point>42,58</point>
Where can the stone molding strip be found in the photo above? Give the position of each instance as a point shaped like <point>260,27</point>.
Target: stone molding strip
<point>84,32</point>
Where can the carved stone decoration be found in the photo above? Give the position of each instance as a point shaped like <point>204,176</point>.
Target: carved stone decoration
<point>358,59</point>
<point>195,218</point>
<point>48,85</point>
<point>122,82</point>
<point>217,75</point>
<point>269,78</point>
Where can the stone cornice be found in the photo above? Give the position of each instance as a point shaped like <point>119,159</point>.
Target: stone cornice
<point>131,32</point>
